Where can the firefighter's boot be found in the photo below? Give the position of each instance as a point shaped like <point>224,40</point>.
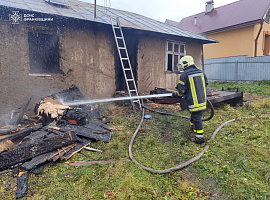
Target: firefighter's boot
<point>198,140</point>
<point>199,137</point>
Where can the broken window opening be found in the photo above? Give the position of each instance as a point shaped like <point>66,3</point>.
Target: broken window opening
<point>174,52</point>
<point>43,52</point>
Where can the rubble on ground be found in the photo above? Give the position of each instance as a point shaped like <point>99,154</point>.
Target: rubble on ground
<point>56,132</point>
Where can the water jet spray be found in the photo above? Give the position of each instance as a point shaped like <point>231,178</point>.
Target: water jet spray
<point>75,103</point>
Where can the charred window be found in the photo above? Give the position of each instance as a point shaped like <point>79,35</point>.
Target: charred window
<point>174,51</point>
<point>44,53</point>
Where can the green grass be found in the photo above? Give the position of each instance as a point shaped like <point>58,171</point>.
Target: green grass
<point>258,87</point>
<point>236,166</point>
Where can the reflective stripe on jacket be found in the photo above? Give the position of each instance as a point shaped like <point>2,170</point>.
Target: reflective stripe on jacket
<point>193,84</point>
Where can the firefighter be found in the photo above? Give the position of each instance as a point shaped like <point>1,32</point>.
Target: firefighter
<point>192,85</point>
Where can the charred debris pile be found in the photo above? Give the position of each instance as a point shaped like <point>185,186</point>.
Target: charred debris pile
<point>55,132</point>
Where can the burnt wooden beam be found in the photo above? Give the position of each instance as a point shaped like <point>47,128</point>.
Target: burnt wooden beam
<point>5,171</point>
<point>94,124</point>
<point>22,113</point>
<point>22,185</point>
<point>43,158</point>
<point>39,169</point>
<point>19,135</point>
<point>89,133</point>
<point>6,145</point>
<point>34,148</point>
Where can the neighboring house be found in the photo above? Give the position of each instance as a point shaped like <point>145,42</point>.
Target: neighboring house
<point>48,45</point>
<point>242,28</point>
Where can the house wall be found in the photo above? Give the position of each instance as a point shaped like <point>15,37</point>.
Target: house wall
<point>86,59</point>
<point>16,85</point>
<point>234,42</point>
<point>151,63</point>
<point>266,28</point>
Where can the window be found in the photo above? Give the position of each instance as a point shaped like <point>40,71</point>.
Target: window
<point>43,52</point>
<point>266,45</point>
<point>174,51</point>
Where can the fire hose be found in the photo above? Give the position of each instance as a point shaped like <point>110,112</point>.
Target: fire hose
<point>138,128</point>
<point>178,167</point>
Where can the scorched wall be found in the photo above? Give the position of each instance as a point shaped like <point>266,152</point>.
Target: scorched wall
<point>151,63</point>
<point>86,60</point>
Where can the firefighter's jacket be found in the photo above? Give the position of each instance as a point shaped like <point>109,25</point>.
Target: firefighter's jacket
<point>193,84</point>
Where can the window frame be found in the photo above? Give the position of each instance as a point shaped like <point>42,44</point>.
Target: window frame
<point>34,71</point>
<point>173,53</point>
<point>266,44</point>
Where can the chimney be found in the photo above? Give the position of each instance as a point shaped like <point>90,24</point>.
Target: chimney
<point>209,6</point>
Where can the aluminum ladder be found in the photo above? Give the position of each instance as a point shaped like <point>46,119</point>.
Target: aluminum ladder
<point>125,62</point>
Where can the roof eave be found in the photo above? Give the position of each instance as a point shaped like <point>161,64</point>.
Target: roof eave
<point>250,23</point>
<point>203,41</point>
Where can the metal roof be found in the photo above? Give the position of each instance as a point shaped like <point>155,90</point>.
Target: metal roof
<point>235,14</point>
<point>85,11</point>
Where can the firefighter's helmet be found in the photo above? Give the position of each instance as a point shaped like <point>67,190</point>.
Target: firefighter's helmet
<point>186,61</point>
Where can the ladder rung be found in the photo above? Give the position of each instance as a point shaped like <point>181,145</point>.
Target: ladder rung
<point>131,85</point>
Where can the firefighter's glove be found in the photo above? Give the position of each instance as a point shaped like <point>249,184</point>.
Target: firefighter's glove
<point>176,95</point>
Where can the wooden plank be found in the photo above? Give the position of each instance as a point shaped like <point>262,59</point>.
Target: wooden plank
<point>39,169</point>
<point>88,162</point>
<point>15,137</point>
<point>92,149</point>
<point>6,145</point>
<point>36,147</point>
<point>79,146</point>
<point>36,161</point>
<point>95,128</point>
<point>22,185</point>
<point>100,124</point>
<point>103,125</point>
<point>43,158</point>
<point>106,120</point>
<point>5,171</point>
<point>86,132</point>
<point>57,155</point>
<point>22,113</point>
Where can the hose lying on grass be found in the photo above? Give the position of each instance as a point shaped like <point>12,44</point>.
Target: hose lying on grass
<point>178,167</point>
<point>184,117</point>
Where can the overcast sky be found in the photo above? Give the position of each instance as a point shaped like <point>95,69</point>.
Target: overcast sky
<point>161,9</point>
